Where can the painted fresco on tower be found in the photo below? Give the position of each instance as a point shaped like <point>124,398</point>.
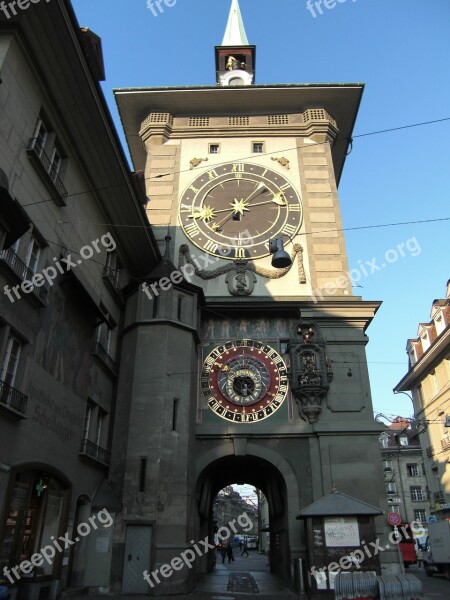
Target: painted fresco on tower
<point>260,329</point>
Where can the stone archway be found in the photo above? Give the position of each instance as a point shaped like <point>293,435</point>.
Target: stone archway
<point>265,469</point>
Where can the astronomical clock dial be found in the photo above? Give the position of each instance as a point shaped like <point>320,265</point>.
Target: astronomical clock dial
<point>233,210</point>
<point>244,381</point>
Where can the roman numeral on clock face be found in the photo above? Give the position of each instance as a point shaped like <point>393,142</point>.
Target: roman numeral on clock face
<point>294,207</point>
<point>213,175</point>
<point>289,229</point>
<point>192,229</point>
<point>211,246</point>
<point>238,168</point>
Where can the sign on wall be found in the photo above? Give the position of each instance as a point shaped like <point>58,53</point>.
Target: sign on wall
<point>341,532</point>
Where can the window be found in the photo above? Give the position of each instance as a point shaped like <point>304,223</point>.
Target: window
<point>387,465</point>
<point>11,361</point>
<point>392,487</point>
<point>419,395</point>
<point>214,148</point>
<point>420,515</point>
<point>101,417</point>
<point>46,154</point>
<point>258,147</point>
<point>403,440</point>
<point>416,493</point>
<point>87,420</point>
<point>435,382</point>
<point>412,470</point>
<point>384,440</point>
<point>40,137</point>
<point>55,164</point>
<point>33,254</point>
<point>103,336</point>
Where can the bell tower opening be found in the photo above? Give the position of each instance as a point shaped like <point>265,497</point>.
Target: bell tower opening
<point>235,58</point>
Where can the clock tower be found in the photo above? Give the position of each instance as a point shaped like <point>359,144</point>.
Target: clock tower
<point>234,370</point>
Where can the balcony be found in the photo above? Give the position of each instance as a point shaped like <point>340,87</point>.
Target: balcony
<point>19,268</point>
<point>111,278</point>
<point>100,352</point>
<point>13,401</point>
<point>439,496</point>
<point>91,450</point>
<point>44,166</point>
<point>445,443</point>
<point>430,451</point>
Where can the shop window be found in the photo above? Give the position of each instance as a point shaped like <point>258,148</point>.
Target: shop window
<point>34,514</point>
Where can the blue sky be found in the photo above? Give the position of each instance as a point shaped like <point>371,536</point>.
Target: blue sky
<point>400,50</point>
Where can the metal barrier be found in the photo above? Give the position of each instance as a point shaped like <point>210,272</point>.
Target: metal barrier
<point>368,586</point>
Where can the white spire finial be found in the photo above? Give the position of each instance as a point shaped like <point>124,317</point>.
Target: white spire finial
<point>235,32</point>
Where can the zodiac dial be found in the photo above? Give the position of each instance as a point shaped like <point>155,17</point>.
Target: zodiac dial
<point>244,381</point>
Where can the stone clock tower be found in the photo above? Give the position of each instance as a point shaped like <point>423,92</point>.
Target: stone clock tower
<point>240,372</point>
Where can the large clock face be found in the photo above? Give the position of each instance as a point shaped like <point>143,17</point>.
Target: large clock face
<point>233,210</point>
<point>244,381</point>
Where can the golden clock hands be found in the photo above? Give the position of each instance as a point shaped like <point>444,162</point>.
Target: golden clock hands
<point>259,190</point>
<point>273,201</point>
<point>218,226</point>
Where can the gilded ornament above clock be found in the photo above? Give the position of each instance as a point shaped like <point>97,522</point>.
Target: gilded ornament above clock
<point>232,210</point>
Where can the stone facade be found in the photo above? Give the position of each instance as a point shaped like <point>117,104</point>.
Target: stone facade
<point>428,378</point>
<point>60,334</point>
<point>404,474</point>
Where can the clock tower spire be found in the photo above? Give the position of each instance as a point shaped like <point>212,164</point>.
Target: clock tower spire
<point>235,58</point>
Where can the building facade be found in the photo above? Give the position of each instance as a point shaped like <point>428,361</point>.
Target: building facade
<point>228,505</point>
<point>244,372</point>
<point>174,356</point>
<point>428,379</point>
<point>62,268</point>
<point>404,473</point>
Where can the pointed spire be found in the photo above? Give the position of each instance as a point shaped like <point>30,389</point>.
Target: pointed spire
<point>235,32</point>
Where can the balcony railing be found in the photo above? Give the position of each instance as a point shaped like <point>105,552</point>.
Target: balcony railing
<point>445,443</point>
<point>36,153</point>
<point>17,265</point>
<point>12,398</point>
<point>100,351</point>
<point>430,451</point>
<point>439,497</point>
<point>92,450</point>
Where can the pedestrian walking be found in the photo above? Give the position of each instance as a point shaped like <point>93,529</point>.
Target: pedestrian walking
<point>244,549</point>
<point>223,552</point>
<point>230,553</point>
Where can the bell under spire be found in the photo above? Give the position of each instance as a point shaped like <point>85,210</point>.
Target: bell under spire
<point>235,32</point>
<point>235,58</point>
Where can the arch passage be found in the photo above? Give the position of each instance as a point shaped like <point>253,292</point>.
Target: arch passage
<point>263,475</point>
